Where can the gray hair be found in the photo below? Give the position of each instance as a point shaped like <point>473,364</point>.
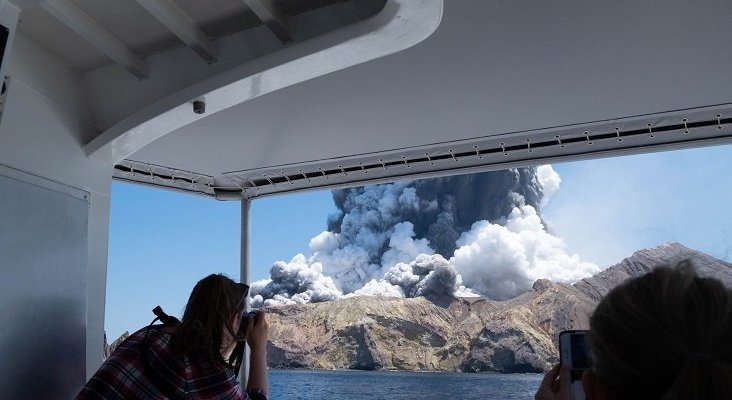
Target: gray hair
<point>665,335</point>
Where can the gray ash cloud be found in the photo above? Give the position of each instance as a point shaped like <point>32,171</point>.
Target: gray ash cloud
<point>449,206</point>
<point>460,235</point>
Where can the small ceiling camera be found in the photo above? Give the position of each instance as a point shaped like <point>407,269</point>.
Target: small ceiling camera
<point>199,107</point>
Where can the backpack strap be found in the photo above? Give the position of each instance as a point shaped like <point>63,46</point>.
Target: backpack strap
<point>237,355</point>
<point>166,319</point>
<point>153,375</point>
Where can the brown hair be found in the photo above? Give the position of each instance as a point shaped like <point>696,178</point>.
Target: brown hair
<point>665,335</point>
<point>214,300</point>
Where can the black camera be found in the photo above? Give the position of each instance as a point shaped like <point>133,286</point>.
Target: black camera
<point>244,325</point>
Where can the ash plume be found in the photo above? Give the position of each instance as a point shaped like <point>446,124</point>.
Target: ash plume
<point>441,209</point>
<point>478,234</point>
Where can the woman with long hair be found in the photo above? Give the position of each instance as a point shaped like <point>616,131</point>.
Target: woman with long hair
<point>198,358</point>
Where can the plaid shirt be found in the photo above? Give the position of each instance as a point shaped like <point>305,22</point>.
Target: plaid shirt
<point>123,375</point>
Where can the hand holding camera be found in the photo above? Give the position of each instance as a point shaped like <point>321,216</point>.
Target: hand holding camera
<point>255,327</point>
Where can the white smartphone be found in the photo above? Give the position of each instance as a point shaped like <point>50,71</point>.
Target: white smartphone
<point>574,352</point>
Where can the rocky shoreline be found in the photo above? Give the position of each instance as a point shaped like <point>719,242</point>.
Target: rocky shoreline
<point>447,334</point>
<point>469,334</point>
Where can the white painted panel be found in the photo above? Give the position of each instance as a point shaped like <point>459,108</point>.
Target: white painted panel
<point>42,132</point>
<point>43,267</point>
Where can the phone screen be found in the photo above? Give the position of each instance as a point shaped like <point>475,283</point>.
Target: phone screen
<point>580,353</point>
<point>575,353</point>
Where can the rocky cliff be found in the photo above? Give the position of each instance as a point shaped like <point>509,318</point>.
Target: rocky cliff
<point>109,348</point>
<point>643,260</point>
<point>455,334</point>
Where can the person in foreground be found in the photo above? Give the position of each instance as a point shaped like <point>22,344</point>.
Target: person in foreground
<point>665,335</point>
<point>196,359</point>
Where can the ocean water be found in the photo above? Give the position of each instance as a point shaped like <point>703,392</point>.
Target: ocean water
<point>357,385</point>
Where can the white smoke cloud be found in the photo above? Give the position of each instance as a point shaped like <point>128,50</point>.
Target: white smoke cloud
<point>378,288</point>
<point>549,180</point>
<point>326,241</point>
<point>374,250</point>
<point>503,261</point>
<point>354,255</point>
<point>403,248</point>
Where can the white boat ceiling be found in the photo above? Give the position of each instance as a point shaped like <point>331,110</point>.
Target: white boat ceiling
<point>328,93</point>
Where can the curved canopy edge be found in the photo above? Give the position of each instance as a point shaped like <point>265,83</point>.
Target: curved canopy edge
<point>704,126</point>
<point>400,25</point>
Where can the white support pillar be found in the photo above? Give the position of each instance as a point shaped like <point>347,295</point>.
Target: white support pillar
<point>245,278</point>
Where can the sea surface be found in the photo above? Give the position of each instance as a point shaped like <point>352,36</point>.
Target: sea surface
<point>357,385</point>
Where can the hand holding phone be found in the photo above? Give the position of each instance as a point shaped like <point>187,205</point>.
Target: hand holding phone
<point>574,353</point>
<point>555,385</point>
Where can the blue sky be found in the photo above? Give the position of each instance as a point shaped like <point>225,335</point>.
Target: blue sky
<point>162,242</point>
<point>607,208</point>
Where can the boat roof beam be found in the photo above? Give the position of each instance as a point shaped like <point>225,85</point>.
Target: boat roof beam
<point>176,20</point>
<point>92,31</point>
<point>23,4</point>
<point>272,18</point>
